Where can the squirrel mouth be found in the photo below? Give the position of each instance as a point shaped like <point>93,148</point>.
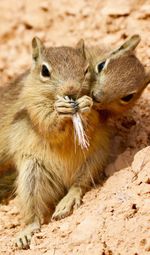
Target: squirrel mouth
<point>95,99</point>
<point>99,105</point>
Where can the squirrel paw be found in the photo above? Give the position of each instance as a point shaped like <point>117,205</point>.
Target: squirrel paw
<point>64,208</point>
<point>65,106</point>
<point>85,104</point>
<point>24,238</point>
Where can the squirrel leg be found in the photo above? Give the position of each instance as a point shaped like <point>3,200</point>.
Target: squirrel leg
<point>65,206</point>
<point>34,195</point>
<point>24,237</point>
<point>91,170</point>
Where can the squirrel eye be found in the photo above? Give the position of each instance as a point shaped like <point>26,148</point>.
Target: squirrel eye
<point>45,71</point>
<point>127,98</point>
<point>100,66</point>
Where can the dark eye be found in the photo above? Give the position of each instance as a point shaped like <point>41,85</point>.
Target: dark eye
<point>45,71</point>
<point>127,98</point>
<point>100,66</point>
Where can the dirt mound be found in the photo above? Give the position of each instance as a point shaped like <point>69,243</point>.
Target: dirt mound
<point>114,218</point>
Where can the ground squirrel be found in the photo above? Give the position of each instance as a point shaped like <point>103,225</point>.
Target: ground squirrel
<point>118,77</point>
<point>37,128</point>
<point>36,125</point>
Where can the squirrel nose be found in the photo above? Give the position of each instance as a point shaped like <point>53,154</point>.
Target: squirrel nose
<point>71,91</point>
<point>95,97</point>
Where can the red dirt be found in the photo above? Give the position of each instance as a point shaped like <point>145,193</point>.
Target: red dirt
<point>114,218</point>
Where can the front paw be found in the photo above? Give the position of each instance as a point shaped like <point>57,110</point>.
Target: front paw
<point>23,240</point>
<point>85,104</point>
<point>65,106</point>
<point>64,208</point>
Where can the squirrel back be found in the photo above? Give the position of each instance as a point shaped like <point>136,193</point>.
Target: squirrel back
<point>9,95</point>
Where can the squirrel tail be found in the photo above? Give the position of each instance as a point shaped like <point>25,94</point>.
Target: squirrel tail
<point>7,185</point>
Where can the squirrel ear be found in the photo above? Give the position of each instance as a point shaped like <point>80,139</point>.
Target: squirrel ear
<point>129,45</point>
<point>80,44</point>
<point>81,47</point>
<point>37,47</point>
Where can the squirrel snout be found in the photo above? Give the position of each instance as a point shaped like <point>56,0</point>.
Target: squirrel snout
<point>95,97</point>
<point>100,96</point>
<point>70,91</point>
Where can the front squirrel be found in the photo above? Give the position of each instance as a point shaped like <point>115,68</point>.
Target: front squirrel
<point>39,135</point>
<point>118,77</point>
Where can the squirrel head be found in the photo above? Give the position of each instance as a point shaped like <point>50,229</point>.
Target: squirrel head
<point>56,71</point>
<point>119,79</point>
<point>59,71</point>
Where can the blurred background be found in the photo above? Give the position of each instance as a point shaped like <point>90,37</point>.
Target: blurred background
<point>64,22</point>
<point>109,214</point>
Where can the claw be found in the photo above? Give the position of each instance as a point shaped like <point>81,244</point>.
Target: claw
<point>24,238</point>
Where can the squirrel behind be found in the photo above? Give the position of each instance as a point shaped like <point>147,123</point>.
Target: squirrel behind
<point>119,78</point>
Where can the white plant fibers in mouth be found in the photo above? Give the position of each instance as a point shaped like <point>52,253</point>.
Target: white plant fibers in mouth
<point>79,131</point>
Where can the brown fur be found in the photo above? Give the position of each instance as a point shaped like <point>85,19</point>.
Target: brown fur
<point>123,74</point>
<point>40,136</point>
<point>8,95</point>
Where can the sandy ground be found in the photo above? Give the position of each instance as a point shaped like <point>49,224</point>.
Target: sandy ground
<point>114,218</point>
